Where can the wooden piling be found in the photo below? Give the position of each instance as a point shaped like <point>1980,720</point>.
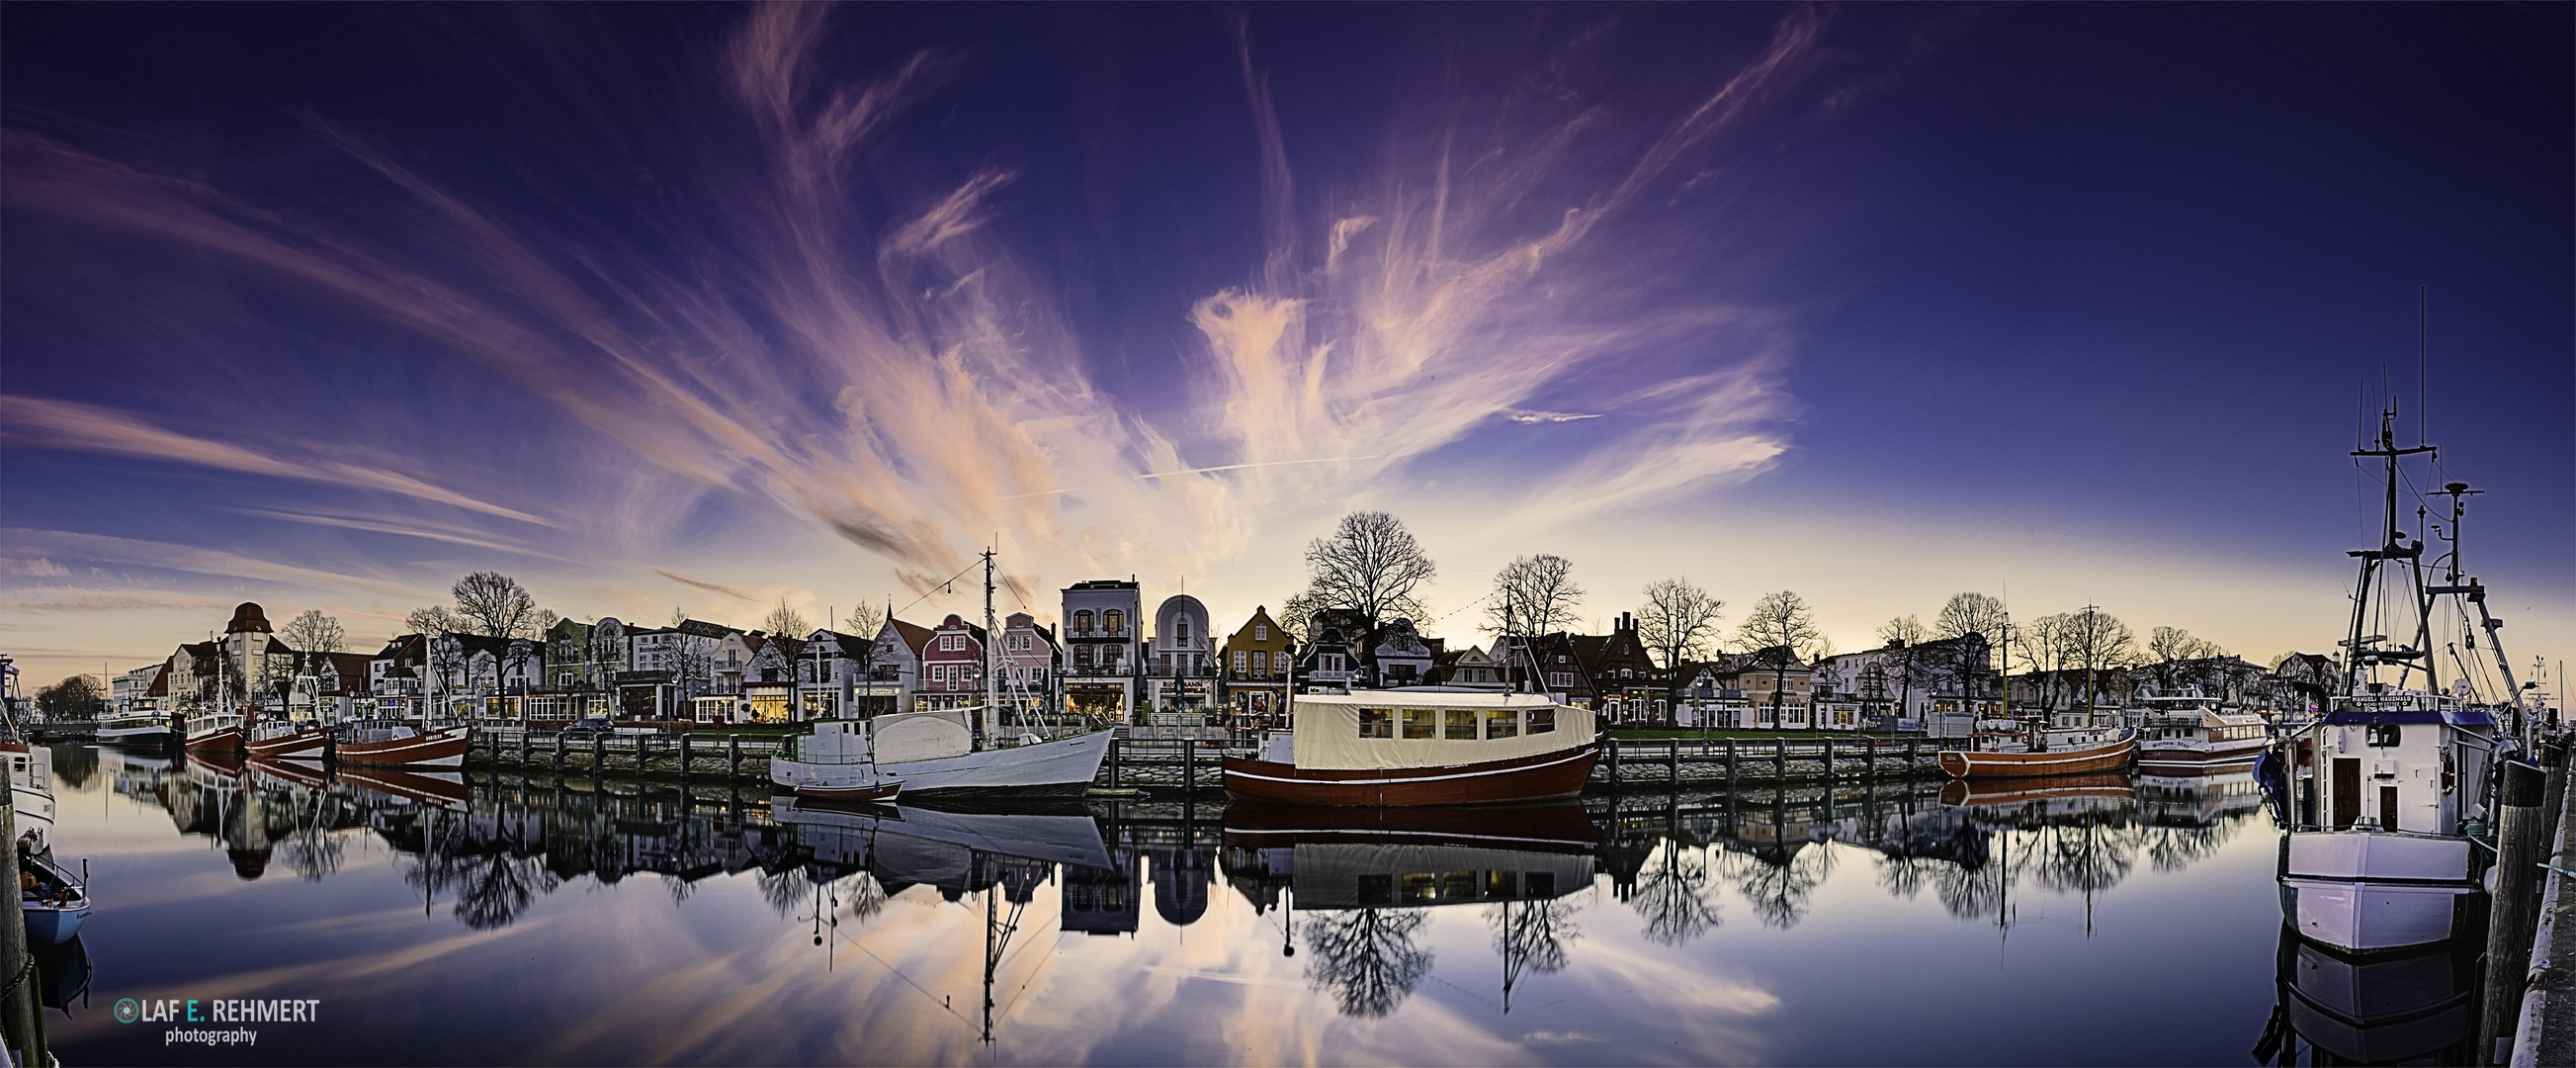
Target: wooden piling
<point>598,754</point>
<point>2516,907</point>
<point>20,1010</point>
<point>1829,759</point>
<point>1189,765</point>
<point>1673,759</point>
<point>684,756</point>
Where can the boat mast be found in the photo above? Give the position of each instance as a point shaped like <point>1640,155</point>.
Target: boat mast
<point>2361,650</point>
<point>992,684</point>
<point>2476,592</point>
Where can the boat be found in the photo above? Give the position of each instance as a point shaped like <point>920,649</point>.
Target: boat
<point>2386,789</point>
<point>834,763</point>
<point>2188,734</point>
<point>1331,857</point>
<point>1420,747</point>
<point>52,899</point>
<point>280,740</point>
<point>2384,1008</point>
<point>31,790</point>
<point>933,752</point>
<point>2036,751</point>
<point>144,729</point>
<point>401,745</point>
<point>213,732</point>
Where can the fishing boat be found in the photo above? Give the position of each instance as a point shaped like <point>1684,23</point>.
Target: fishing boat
<point>401,745</point>
<point>2186,733</point>
<point>216,731</point>
<point>933,752</point>
<point>2384,790</point>
<point>52,899</point>
<point>282,740</point>
<point>834,763</point>
<point>2036,750</point>
<point>31,789</point>
<point>1420,747</point>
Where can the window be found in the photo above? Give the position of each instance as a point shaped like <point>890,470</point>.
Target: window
<point>1240,659</point>
<point>1460,725</point>
<point>1420,722</point>
<point>1082,622</point>
<point>1261,663</point>
<point>1261,632</point>
<point>1378,723</point>
<point>1563,680</point>
<point>1114,621</point>
<point>2381,734</point>
<point>1183,626</point>
<point>1502,723</point>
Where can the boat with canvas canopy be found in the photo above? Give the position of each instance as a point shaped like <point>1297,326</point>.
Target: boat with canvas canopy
<point>1409,747</point>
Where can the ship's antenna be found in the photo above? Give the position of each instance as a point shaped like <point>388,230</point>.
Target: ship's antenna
<point>2423,370</point>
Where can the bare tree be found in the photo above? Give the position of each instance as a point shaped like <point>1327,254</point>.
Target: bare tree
<point>1679,620</point>
<point>435,621</point>
<point>313,632</point>
<point>1297,613</point>
<point>2041,646</point>
<point>1533,595</point>
<point>1904,636</point>
<point>1533,934</point>
<point>1781,628</point>
<point>1970,613</point>
<point>2098,643</point>
<point>865,620</point>
<point>2172,648</point>
<point>785,620</point>
<point>1371,565</point>
<point>1905,629</point>
<point>494,605</point>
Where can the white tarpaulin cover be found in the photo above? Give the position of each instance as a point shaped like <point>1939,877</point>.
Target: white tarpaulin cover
<point>1328,736</point>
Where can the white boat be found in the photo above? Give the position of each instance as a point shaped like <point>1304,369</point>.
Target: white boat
<point>934,753</point>
<point>31,790</point>
<point>2188,734</point>
<point>2384,787</point>
<point>147,728</point>
<point>213,731</point>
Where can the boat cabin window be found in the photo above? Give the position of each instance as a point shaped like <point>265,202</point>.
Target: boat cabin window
<point>1377,723</point>
<point>1502,723</point>
<point>2380,734</point>
<point>1421,723</point>
<point>1461,725</point>
<point>1542,720</point>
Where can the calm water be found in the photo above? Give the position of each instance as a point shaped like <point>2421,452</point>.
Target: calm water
<point>501,920</point>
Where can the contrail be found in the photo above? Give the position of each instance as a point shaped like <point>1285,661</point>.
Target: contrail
<point>1265,463</point>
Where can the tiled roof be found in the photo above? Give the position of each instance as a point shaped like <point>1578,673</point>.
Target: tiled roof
<point>914,635</point>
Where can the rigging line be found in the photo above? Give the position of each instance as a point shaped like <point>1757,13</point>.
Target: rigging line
<point>898,973</point>
<point>942,585</point>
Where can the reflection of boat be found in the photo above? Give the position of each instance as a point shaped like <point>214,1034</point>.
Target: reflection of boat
<point>31,790</point>
<point>445,789</point>
<point>853,836</point>
<point>1339,859</point>
<point>64,970</point>
<point>280,740</point>
<point>290,772</point>
<point>2376,1009</point>
<point>2037,752</point>
<point>934,753</point>
<point>398,745</point>
<point>55,905</point>
<point>1970,793</point>
<point>2197,800</point>
<point>2187,734</point>
<point>1405,747</point>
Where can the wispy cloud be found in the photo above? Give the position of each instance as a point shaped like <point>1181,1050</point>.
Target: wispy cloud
<point>711,587</point>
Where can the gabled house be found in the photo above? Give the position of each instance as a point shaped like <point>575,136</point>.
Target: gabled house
<point>895,675</point>
<point>1330,661</point>
<point>1255,666</point>
<point>1626,681</point>
<point>830,667</point>
<point>1561,671</point>
<point>1776,687</point>
<point>768,680</point>
<point>1397,655</point>
<point>1104,656</point>
<point>1180,662</point>
<point>1030,663</point>
<point>1468,668</point>
<point>953,666</point>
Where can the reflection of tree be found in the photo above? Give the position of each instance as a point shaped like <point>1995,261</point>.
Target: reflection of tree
<point>314,852</point>
<point>1967,892</point>
<point>493,889</point>
<point>2172,849</point>
<point>1777,881</point>
<point>1672,896</point>
<point>1533,934</point>
<point>2088,858</point>
<point>863,894</point>
<point>1366,958</point>
<point>789,891</point>
<point>1905,875</point>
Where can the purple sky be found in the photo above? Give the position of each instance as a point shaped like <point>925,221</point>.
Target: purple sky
<point>662,306</point>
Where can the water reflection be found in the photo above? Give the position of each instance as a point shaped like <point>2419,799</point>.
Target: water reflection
<point>2412,1006</point>
<point>1357,916</point>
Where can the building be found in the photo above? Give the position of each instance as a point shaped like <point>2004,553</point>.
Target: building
<point>1561,670</point>
<point>1330,660</point>
<point>953,666</point>
<point>1031,666</point>
<point>1470,668</point>
<point>1938,687</point>
<point>1255,670</point>
<point>1180,663</point>
<point>1103,666</point>
<point>1397,655</point>
<point>670,666</point>
<point>1627,684</point>
<point>894,673</point>
<point>1767,689</point>
<point>830,667</point>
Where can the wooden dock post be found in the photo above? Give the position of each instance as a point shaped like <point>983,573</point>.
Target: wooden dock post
<point>1829,758</point>
<point>733,756</point>
<point>2516,907</point>
<point>1872,768</point>
<point>1779,759</point>
<point>1614,761</point>
<point>1114,756</point>
<point>1189,767</point>
<point>1673,759</point>
<point>559,752</point>
<point>684,756</point>
<point>1730,770</point>
<point>598,754</point>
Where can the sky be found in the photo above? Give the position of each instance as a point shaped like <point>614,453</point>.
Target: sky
<point>666,307</point>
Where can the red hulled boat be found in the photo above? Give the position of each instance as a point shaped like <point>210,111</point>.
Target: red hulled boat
<point>401,746</point>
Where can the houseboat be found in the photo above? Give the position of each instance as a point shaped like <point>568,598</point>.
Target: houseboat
<point>2188,734</point>
<point>1407,747</point>
<point>139,729</point>
<point>2033,751</point>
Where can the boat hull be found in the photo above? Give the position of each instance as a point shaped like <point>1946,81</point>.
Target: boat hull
<point>1539,777</point>
<point>2366,892</point>
<point>2215,758</point>
<point>54,920</point>
<point>307,744</point>
<point>1064,767</point>
<point>151,734</point>
<point>444,750</point>
<point>1971,764</point>
<point>222,740</point>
